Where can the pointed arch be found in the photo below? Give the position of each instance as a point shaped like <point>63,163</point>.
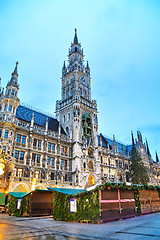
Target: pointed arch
<point>21,187</point>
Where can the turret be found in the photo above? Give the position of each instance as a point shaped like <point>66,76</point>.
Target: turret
<point>10,100</point>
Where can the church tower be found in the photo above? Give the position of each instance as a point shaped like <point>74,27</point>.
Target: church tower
<point>9,99</point>
<point>77,113</point>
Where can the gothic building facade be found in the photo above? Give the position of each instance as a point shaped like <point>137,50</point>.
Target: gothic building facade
<point>65,151</point>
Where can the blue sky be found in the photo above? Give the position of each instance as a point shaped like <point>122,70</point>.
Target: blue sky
<point>121,42</point>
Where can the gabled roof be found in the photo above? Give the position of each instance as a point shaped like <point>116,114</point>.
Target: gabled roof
<point>25,114</point>
<point>121,146</point>
<point>18,194</point>
<point>67,191</point>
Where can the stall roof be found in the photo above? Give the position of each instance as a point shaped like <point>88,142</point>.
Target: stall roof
<point>67,191</point>
<point>2,198</point>
<point>23,194</point>
<point>18,194</point>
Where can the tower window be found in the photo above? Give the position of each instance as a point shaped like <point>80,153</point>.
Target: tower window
<point>9,91</point>
<point>12,92</point>
<point>69,117</point>
<point>64,118</point>
<point>0,132</point>
<point>10,108</point>
<point>6,134</point>
<point>5,108</point>
<point>75,49</point>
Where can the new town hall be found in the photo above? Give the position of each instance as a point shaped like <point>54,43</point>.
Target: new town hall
<point>65,151</point>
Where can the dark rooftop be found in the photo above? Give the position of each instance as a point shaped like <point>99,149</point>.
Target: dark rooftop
<point>25,114</point>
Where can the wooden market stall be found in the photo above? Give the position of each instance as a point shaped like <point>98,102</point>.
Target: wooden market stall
<point>107,202</point>
<point>116,204</point>
<point>36,203</point>
<point>149,200</point>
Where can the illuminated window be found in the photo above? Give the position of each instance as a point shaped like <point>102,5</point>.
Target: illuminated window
<point>19,172</point>
<point>37,174</point>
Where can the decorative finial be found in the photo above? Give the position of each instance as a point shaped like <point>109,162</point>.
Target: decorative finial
<point>75,37</point>
<point>17,63</point>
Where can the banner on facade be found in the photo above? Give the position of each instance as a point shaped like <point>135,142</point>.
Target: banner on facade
<point>18,203</point>
<point>73,205</point>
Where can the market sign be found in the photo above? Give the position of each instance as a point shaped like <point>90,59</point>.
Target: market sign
<point>73,205</point>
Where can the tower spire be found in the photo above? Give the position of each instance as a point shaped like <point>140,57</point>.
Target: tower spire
<point>132,138</point>
<point>75,37</point>
<point>14,78</point>
<point>148,152</point>
<point>157,158</point>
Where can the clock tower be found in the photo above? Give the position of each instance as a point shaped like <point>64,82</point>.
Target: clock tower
<point>77,113</point>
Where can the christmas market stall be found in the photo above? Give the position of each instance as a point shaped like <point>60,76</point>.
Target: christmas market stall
<point>149,200</point>
<point>107,202</point>
<point>36,203</point>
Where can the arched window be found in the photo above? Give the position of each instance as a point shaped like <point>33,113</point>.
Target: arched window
<point>90,165</point>
<point>84,165</point>
<point>69,117</point>
<point>64,118</point>
<point>67,131</point>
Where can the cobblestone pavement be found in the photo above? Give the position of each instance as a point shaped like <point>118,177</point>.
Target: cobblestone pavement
<point>145,227</point>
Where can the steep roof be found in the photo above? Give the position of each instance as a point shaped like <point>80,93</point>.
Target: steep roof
<point>121,146</point>
<point>25,114</point>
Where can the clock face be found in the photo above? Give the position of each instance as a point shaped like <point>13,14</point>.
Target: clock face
<point>83,80</point>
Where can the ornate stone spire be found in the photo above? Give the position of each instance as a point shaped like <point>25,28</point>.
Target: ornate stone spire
<point>14,78</point>
<point>75,37</point>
